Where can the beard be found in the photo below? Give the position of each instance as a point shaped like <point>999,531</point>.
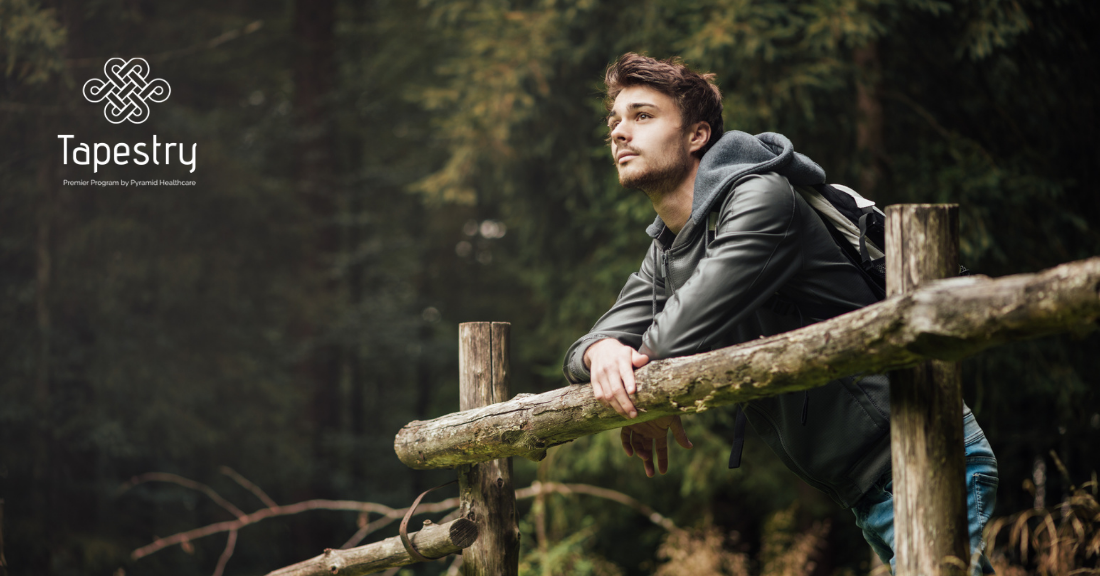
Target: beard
<point>660,176</point>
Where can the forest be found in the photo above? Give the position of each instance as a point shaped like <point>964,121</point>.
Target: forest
<point>364,176</point>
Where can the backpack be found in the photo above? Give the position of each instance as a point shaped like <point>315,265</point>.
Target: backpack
<point>859,229</point>
<point>844,213</point>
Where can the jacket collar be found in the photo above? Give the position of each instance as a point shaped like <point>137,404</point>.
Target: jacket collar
<point>739,154</point>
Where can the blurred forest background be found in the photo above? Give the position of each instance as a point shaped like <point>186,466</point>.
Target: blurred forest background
<point>371,174</point>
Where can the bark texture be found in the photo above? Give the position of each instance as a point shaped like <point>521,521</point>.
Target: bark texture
<point>946,320</point>
<point>485,490</point>
<point>870,126</point>
<point>926,433</point>
<point>434,541</point>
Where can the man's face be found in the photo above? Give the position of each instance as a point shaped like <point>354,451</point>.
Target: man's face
<point>648,141</point>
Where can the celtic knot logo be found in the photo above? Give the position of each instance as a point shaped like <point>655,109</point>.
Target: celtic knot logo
<point>126,90</point>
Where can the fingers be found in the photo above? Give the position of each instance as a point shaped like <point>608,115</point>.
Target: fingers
<point>678,433</point>
<point>621,403</point>
<point>662,452</point>
<point>603,386</point>
<point>650,439</point>
<point>641,446</point>
<point>646,453</point>
<point>629,385</point>
<point>637,360</point>
<point>638,440</point>
<point>623,384</point>
<point>601,392</point>
<point>612,370</point>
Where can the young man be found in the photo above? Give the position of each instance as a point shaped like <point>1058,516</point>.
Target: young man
<point>737,254</point>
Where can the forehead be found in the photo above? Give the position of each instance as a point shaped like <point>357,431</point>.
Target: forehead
<point>642,96</point>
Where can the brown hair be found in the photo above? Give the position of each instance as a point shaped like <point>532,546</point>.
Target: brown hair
<point>696,94</point>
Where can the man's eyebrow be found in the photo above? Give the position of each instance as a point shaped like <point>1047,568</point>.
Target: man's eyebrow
<point>631,106</point>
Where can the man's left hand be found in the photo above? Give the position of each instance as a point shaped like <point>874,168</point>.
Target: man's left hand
<point>640,438</point>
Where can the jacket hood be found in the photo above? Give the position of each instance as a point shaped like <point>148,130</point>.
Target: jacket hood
<point>739,154</point>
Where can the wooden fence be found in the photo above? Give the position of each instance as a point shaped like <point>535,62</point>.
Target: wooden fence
<point>918,333</point>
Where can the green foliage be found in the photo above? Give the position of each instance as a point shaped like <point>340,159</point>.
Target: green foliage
<point>31,41</point>
<point>568,554</point>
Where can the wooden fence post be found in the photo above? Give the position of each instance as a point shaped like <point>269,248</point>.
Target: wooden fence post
<point>929,469</point>
<point>485,490</point>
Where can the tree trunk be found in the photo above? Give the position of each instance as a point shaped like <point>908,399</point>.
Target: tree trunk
<point>44,471</point>
<point>945,320</point>
<point>926,432</point>
<point>318,371</point>
<point>870,140</point>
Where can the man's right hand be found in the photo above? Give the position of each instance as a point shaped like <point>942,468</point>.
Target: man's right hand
<point>612,364</point>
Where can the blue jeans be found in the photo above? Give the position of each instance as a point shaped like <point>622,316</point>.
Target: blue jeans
<point>875,510</point>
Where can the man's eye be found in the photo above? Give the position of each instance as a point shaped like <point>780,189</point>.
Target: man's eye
<point>643,115</point>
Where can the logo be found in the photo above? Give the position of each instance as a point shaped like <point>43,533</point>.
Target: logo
<point>126,90</point>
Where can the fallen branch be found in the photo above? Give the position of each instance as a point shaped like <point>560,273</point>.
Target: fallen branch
<point>273,510</point>
<point>389,553</point>
<point>230,546</point>
<point>244,482</point>
<point>186,483</point>
<point>944,320</point>
<point>560,488</point>
<point>388,515</point>
<point>433,541</point>
<point>354,562</point>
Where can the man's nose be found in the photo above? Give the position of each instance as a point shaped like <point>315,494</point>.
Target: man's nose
<point>619,133</point>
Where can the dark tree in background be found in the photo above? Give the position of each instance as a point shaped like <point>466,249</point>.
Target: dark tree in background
<point>370,174</point>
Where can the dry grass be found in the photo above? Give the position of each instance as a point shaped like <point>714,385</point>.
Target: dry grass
<point>700,552</point>
<point>708,551</point>
<point>1061,540</point>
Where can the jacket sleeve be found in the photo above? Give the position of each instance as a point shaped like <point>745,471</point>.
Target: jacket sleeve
<point>755,251</point>
<point>626,321</point>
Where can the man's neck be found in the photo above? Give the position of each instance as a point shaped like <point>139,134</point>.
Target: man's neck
<point>673,205</point>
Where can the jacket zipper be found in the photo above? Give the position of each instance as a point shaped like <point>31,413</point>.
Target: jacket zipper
<point>668,274</point>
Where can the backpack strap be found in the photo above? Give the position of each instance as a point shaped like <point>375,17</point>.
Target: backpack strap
<point>874,282</point>
<point>871,221</point>
<point>864,257</point>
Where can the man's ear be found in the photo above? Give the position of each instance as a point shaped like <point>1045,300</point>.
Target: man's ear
<point>698,136</point>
